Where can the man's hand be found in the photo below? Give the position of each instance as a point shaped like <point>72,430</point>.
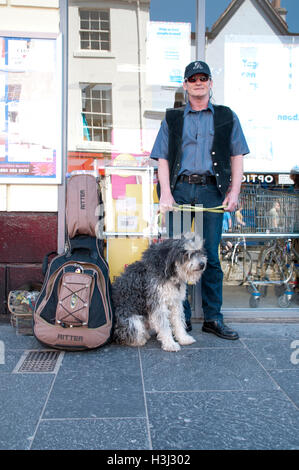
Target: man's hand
<point>166,203</point>
<point>231,201</point>
<point>166,199</point>
<point>231,198</point>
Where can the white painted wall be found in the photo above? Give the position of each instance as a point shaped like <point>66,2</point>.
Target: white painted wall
<point>29,15</point>
<point>32,16</point>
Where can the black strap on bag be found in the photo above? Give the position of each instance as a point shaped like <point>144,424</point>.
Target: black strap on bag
<point>82,243</point>
<point>46,261</point>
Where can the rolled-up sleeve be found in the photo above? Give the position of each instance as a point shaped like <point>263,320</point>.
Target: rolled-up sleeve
<point>238,142</point>
<point>160,148</point>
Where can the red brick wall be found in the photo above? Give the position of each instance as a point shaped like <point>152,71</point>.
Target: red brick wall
<point>25,238</point>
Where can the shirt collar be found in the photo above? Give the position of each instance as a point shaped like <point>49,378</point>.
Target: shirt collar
<point>188,108</point>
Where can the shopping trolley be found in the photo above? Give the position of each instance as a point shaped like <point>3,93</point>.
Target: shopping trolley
<point>273,216</point>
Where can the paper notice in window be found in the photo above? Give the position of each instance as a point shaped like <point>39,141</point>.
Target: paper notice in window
<point>126,205</point>
<point>127,223</point>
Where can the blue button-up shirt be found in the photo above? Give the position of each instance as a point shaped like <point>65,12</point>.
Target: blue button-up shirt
<point>197,141</point>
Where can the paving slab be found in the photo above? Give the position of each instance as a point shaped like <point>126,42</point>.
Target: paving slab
<point>14,341</point>
<point>92,434</point>
<point>22,400</point>
<point>98,384</point>
<point>203,340</point>
<point>273,353</point>
<point>203,369</point>
<point>11,359</point>
<point>267,330</point>
<point>227,420</point>
<point>288,380</point>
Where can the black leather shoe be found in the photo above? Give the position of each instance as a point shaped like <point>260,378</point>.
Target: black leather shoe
<point>219,329</point>
<point>188,325</point>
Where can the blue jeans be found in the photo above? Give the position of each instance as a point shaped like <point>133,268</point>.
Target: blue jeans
<point>212,278</point>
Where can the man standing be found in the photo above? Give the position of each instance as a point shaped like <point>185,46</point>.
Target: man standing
<point>200,150</point>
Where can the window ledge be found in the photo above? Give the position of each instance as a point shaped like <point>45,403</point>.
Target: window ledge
<point>97,146</point>
<point>153,114</point>
<point>97,54</point>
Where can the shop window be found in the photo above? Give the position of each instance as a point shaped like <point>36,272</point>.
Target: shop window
<point>94,30</point>
<point>13,92</point>
<point>96,112</point>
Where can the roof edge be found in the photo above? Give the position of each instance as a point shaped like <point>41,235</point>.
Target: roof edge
<point>232,8</point>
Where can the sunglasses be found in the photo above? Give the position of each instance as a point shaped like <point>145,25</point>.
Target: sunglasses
<point>202,78</point>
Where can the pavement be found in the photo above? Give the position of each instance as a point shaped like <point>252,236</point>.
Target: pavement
<point>214,394</point>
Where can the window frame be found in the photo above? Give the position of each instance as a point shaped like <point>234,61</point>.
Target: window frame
<point>89,31</point>
<point>91,116</point>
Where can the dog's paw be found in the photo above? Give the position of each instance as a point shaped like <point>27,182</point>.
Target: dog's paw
<point>173,347</point>
<point>186,340</point>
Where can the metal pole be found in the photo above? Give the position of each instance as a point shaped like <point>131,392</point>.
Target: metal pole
<point>200,55</point>
<point>200,29</point>
<point>139,73</point>
<point>63,11</point>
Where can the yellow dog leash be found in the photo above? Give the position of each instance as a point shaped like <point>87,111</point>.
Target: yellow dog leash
<point>189,208</point>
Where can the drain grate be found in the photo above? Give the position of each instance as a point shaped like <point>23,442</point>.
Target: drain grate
<point>39,361</point>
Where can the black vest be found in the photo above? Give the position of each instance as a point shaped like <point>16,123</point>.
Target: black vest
<point>220,152</point>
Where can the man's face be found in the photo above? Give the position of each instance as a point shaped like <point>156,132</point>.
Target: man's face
<point>198,85</point>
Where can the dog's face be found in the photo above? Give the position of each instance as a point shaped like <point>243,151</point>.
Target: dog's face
<point>188,259</point>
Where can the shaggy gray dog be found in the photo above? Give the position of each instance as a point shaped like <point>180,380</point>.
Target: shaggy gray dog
<point>149,293</point>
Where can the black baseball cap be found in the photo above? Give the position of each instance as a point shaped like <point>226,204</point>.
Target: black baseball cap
<point>197,67</point>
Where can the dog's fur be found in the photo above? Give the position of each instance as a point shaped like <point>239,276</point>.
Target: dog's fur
<point>149,294</point>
